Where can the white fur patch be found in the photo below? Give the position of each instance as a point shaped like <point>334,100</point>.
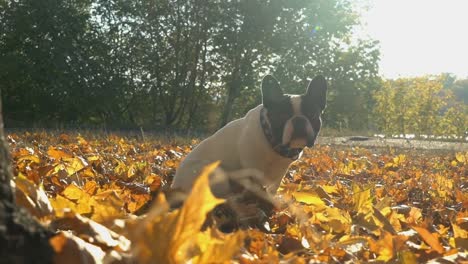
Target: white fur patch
<point>287,132</point>
<point>296,101</point>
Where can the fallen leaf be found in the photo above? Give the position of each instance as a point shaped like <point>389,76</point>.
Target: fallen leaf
<point>177,231</point>
<point>58,154</point>
<point>431,239</point>
<point>91,232</point>
<point>72,249</point>
<point>32,197</point>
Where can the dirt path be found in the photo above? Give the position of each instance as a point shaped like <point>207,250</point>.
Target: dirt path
<point>395,143</point>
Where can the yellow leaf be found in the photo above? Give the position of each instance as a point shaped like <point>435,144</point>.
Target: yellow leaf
<point>69,165</point>
<point>310,198</point>
<point>397,161</point>
<point>362,199</point>
<point>383,247</point>
<point>120,168</point>
<point>332,219</point>
<point>172,237</point>
<point>74,192</point>
<point>414,216</point>
<point>32,197</point>
<point>461,157</point>
<point>217,247</point>
<point>107,205</point>
<point>93,158</point>
<point>81,198</point>
<point>60,204</point>
<point>330,188</point>
<point>192,215</point>
<point>32,158</point>
<point>459,232</point>
<point>81,140</point>
<point>408,257</point>
<point>73,165</point>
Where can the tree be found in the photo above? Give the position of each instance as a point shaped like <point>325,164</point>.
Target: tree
<point>173,63</point>
<point>460,90</point>
<point>19,232</point>
<point>296,41</point>
<point>43,62</point>
<point>419,106</point>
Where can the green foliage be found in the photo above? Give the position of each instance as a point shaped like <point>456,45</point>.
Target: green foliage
<point>419,106</point>
<point>173,63</point>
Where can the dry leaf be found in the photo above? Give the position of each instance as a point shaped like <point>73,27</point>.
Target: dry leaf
<point>71,249</point>
<point>430,238</point>
<point>32,197</point>
<point>177,231</point>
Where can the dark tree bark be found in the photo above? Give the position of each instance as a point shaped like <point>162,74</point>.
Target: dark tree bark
<point>233,93</point>
<point>22,239</point>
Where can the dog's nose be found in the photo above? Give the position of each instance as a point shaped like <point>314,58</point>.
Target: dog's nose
<point>299,124</point>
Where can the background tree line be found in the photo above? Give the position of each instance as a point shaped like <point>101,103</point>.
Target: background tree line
<point>191,64</point>
<point>423,106</point>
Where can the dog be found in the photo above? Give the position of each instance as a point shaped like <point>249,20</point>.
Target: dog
<point>262,144</point>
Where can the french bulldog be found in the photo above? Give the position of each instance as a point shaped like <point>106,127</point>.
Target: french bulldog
<point>263,143</point>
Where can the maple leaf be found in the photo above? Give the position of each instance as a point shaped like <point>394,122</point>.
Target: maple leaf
<point>336,203</point>
<point>177,231</point>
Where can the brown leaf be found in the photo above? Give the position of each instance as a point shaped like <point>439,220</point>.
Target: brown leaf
<point>289,244</point>
<point>71,249</point>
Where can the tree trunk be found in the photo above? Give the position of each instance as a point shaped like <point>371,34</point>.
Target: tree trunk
<point>233,93</point>
<point>22,239</point>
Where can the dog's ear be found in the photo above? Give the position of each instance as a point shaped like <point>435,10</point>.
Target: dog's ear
<point>317,92</point>
<point>271,91</point>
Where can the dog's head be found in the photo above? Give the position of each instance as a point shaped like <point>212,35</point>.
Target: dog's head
<point>294,119</point>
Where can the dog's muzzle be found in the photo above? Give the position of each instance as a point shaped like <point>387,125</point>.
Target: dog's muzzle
<point>299,126</point>
<point>301,131</point>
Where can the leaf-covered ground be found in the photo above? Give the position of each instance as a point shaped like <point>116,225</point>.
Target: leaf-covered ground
<point>103,196</point>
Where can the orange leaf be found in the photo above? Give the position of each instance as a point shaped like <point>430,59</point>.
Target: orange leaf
<point>58,154</point>
<point>431,239</point>
<point>383,247</point>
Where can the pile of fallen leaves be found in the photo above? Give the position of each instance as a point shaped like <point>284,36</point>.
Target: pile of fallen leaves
<point>103,198</point>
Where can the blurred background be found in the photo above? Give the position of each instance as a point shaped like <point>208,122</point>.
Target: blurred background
<point>394,67</point>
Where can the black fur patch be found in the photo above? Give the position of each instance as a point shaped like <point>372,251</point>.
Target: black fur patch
<point>278,114</point>
<point>312,112</point>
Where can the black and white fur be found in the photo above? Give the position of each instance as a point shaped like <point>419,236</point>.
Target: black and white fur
<point>263,143</point>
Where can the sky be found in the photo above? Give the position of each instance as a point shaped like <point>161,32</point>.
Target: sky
<point>419,37</point>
